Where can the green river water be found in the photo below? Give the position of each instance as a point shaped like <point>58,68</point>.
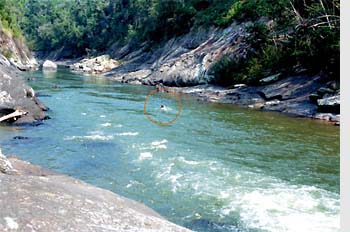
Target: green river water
<point>217,168</point>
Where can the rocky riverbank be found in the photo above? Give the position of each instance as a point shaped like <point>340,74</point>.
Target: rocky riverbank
<point>300,96</point>
<point>35,199</point>
<point>15,94</point>
<point>186,63</point>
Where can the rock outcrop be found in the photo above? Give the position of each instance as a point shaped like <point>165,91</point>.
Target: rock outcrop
<point>289,95</point>
<point>95,65</point>
<point>35,199</point>
<point>329,103</point>
<point>183,61</point>
<point>15,94</point>
<point>14,52</point>
<point>188,60</point>
<point>49,66</point>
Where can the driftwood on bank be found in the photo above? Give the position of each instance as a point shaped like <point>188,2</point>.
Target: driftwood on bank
<point>14,115</point>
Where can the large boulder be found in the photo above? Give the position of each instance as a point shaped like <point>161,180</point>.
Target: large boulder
<point>16,95</point>
<point>95,65</point>
<point>48,65</point>
<point>36,199</point>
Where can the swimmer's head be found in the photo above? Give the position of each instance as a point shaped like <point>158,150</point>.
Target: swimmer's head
<point>161,106</point>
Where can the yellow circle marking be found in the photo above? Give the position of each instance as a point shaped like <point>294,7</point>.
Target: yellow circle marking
<point>171,92</point>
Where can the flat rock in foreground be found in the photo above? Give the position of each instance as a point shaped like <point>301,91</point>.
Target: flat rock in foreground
<point>35,199</point>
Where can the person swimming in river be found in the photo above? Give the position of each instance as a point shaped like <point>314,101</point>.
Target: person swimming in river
<point>164,108</point>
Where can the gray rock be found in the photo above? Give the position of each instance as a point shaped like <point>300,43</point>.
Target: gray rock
<point>323,90</point>
<point>328,117</point>
<point>19,55</point>
<point>239,86</point>
<point>289,95</point>
<point>36,199</point>
<point>15,94</point>
<point>329,104</point>
<point>94,65</point>
<point>329,101</point>
<point>183,61</point>
<point>334,85</point>
<point>5,165</point>
<point>270,79</point>
<point>48,65</point>
<point>314,97</point>
<point>291,87</point>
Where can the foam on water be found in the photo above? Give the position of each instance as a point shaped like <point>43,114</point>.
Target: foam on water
<point>145,155</point>
<point>262,202</point>
<point>90,137</point>
<point>107,124</point>
<point>155,145</point>
<point>128,134</point>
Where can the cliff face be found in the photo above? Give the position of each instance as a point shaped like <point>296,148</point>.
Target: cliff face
<point>182,61</point>
<point>15,52</point>
<point>189,60</point>
<point>15,94</point>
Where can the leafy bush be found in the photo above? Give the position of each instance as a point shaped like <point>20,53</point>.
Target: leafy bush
<point>305,35</point>
<point>8,19</point>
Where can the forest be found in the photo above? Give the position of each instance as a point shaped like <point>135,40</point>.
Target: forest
<point>304,34</point>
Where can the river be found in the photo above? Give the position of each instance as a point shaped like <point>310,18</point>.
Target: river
<point>218,167</point>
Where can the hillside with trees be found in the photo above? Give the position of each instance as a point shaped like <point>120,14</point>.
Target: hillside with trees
<point>303,35</point>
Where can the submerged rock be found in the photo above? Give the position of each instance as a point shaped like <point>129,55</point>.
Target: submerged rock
<point>36,199</point>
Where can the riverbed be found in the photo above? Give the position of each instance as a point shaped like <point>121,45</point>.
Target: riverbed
<point>218,167</point>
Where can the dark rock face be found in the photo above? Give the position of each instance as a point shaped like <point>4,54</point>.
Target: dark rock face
<point>36,199</point>
<point>15,94</point>
<point>183,61</point>
<point>20,56</point>
<point>188,61</point>
<point>329,103</point>
<point>290,96</point>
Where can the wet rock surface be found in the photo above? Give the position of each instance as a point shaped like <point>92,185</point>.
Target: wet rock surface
<point>35,199</point>
<point>290,96</point>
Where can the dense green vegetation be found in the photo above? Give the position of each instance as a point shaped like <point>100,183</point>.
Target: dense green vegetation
<point>301,34</point>
<point>8,17</point>
<point>303,37</point>
<point>89,25</point>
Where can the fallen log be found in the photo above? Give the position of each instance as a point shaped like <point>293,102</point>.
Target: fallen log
<point>15,114</point>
